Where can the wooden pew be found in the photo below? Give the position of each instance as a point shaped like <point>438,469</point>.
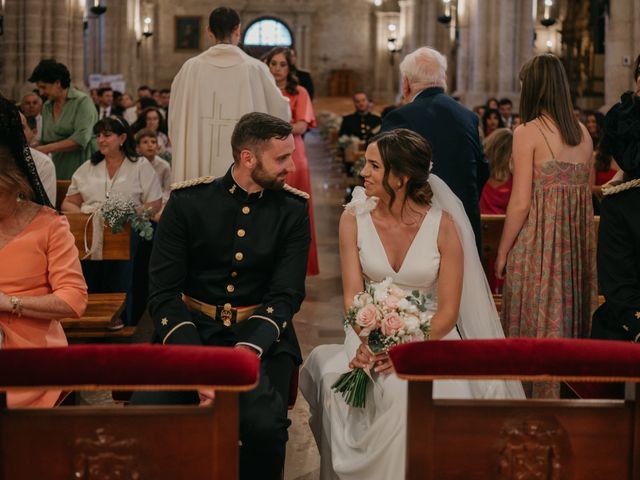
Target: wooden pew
<point>521,439</point>
<point>491,227</point>
<point>102,307</point>
<point>136,442</point>
<point>61,191</point>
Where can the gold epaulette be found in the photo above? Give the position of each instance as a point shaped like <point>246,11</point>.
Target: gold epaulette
<point>621,187</point>
<point>288,188</point>
<point>192,182</point>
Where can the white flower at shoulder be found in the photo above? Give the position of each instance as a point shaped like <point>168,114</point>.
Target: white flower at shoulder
<point>360,203</point>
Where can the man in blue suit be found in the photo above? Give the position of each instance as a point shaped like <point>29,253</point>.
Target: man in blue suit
<point>451,129</point>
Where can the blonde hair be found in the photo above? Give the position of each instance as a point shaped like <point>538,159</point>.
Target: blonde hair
<point>497,149</point>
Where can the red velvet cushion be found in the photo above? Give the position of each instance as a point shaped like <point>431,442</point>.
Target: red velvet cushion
<point>523,358</point>
<point>136,367</point>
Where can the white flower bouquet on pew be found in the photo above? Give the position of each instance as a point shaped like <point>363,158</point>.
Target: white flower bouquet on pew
<point>117,211</point>
<point>386,315</point>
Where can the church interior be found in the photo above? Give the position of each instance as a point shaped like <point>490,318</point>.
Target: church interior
<point>348,48</point>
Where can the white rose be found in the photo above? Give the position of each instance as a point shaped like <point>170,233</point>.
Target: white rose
<point>411,323</point>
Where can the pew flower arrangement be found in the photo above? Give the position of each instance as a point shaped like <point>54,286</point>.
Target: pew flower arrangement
<point>117,211</point>
<point>387,316</point>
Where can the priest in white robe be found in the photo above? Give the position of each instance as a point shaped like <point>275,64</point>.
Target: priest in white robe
<point>209,95</point>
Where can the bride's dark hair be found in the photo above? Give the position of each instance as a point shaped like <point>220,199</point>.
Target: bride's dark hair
<point>406,154</point>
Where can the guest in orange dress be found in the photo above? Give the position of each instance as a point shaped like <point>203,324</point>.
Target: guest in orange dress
<point>303,118</point>
<point>497,191</point>
<point>41,279</point>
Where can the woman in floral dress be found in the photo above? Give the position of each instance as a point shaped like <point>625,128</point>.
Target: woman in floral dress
<point>548,242</point>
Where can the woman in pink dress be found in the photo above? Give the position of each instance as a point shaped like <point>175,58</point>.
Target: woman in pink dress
<point>302,118</point>
<point>41,279</point>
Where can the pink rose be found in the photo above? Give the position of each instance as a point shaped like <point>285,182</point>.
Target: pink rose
<point>396,291</point>
<point>391,302</point>
<point>368,317</point>
<point>365,299</point>
<point>391,324</point>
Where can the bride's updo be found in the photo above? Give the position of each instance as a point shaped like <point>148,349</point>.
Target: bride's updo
<point>406,154</point>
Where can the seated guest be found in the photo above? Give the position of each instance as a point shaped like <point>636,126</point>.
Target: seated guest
<point>115,170</point>
<point>619,234</point>
<point>41,280</point>
<point>505,107</point>
<point>491,120</point>
<point>105,102</point>
<point>31,106</point>
<point>362,123</point>
<point>492,103</point>
<point>67,118</point>
<point>497,191</point>
<point>147,146</point>
<point>152,119</point>
<point>515,121</point>
<point>44,164</point>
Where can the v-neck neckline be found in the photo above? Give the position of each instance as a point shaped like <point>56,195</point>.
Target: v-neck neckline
<point>406,255</point>
<point>23,230</point>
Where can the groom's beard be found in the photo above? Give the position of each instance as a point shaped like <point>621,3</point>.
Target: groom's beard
<point>267,181</point>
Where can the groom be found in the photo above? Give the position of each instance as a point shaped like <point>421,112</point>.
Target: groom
<point>228,268</point>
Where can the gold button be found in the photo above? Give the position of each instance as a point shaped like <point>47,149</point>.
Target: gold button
<point>227,306</point>
<point>239,256</point>
<point>234,274</point>
<point>246,210</point>
<point>241,233</point>
<point>230,288</point>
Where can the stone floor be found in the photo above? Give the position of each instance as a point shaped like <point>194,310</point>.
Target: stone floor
<point>320,318</point>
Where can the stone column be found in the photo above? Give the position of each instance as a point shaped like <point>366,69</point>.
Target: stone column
<point>38,29</point>
<point>622,40</point>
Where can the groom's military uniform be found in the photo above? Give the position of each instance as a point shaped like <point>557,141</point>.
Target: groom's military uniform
<point>228,268</point>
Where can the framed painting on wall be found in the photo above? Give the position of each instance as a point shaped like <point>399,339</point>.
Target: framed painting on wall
<point>187,33</point>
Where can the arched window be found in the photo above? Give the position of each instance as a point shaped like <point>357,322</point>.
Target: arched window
<point>268,32</point>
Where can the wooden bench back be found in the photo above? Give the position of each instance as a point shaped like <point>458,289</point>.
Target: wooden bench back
<point>61,191</point>
<point>115,247</point>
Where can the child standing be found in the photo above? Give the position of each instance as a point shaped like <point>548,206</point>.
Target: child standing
<point>147,145</point>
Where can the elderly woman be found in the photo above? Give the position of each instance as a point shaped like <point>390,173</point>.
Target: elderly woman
<point>619,234</point>
<point>67,118</point>
<point>41,280</point>
<point>116,171</point>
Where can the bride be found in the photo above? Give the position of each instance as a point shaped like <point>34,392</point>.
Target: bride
<point>407,225</point>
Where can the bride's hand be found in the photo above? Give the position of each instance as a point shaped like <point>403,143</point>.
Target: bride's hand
<point>364,358</point>
<point>383,364</point>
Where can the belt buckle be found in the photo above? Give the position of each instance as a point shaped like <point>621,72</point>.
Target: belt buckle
<point>226,314</point>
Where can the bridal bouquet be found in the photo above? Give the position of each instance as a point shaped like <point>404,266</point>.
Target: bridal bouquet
<point>387,315</point>
<point>117,211</point>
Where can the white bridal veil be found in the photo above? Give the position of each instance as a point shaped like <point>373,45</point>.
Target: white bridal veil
<point>478,315</point>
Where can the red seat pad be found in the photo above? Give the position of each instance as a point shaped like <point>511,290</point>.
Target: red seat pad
<point>136,367</point>
<point>519,358</point>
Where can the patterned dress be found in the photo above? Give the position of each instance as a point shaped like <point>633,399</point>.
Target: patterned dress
<point>550,289</point>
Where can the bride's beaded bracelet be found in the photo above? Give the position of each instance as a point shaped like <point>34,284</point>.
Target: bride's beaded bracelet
<point>16,306</point>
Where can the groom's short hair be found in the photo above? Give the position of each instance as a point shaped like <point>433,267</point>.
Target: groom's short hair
<point>254,129</point>
<point>222,22</point>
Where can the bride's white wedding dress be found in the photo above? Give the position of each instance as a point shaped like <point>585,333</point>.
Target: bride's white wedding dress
<point>370,443</point>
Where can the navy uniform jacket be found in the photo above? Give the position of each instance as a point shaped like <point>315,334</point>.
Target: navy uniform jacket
<point>619,267</point>
<point>452,132</point>
<point>218,244</point>
<point>362,126</point>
